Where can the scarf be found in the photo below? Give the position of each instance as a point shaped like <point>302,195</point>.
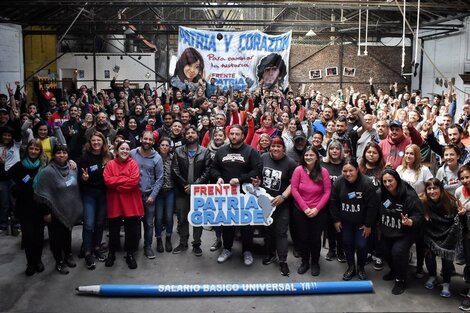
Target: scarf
<point>213,148</point>
<point>442,233</point>
<point>30,165</point>
<point>58,190</point>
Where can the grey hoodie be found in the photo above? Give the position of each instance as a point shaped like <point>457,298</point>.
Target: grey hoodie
<point>151,172</point>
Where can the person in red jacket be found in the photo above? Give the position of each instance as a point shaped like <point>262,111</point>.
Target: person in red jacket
<point>124,200</point>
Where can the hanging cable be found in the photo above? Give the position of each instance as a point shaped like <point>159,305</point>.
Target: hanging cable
<point>403,51</point>
<point>367,30</point>
<point>417,32</point>
<point>359,35</point>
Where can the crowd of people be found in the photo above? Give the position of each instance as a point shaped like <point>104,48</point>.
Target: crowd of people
<point>373,172</point>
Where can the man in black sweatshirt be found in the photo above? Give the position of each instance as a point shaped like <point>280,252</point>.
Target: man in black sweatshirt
<point>236,164</point>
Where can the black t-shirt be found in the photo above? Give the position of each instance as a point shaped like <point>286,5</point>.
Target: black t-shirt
<point>277,173</point>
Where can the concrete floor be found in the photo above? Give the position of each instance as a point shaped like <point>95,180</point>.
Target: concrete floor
<point>52,292</point>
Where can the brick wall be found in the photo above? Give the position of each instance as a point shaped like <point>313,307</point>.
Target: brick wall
<point>381,63</point>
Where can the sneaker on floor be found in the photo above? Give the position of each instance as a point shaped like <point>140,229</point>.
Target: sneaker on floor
<point>224,256</point>
<point>399,287</point>
<point>99,255</point>
<point>149,253</point>
<point>90,262</point>
<point>61,268</point>
<point>180,248</point>
<point>430,283</point>
<point>378,264</point>
<point>160,248</point>
<point>131,263</point>
<point>465,305</point>
<point>216,245</point>
<point>269,259</point>
<point>331,255</point>
<point>247,258</point>
<point>445,293</point>
<point>197,250</point>
<point>341,257</point>
<point>30,270</point>
<point>69,261</point>
<point>284,269</point>
<point>110,259</point>
<point>40,267</point>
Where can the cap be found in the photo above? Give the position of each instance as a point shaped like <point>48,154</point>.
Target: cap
<point>299,134</point>
<point>4,110</point>
<point>396,123</point>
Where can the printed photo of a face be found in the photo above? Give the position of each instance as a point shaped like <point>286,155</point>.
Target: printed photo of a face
<point>271,71</point>
<point>190,66</point>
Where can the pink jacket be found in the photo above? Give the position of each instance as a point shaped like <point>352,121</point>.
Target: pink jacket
<point>310,194</point>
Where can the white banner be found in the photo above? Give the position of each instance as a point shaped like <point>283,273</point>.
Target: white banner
<point>238,59</point>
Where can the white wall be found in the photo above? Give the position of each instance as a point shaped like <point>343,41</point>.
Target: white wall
<point>11,52</point>
<point>449,56</point>
<point>71,64</point>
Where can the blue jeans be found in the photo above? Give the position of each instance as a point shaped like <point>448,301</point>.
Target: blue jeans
<point>165,204</point>
<point>94,214</point>
<point>149,221</point>
<point>354,243</point>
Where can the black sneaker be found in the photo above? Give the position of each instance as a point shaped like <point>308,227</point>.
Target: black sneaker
<point>131,263</point>
<point>331,255</point>
<point>61,268</point>
<point>160,248</point>
<point>30,270</point>
<point>350,273</point>
<point>341,257</point>
<point>180,248</point>
<point>39,267</point>
<point>466,274</point>
<point>378,264</point>
<point>465,305</point>
<point>197,250</point>
<point>303,268</point>
<point>99,255</point>
<point>110,259</point>
<point>216,245</point>
<point>315,269</point>
<point>90,262</point>
<point>269,259</point>
<point>284,269</point>
<point>70,261</point>
<point>399,287</point>
<point>361,273</point>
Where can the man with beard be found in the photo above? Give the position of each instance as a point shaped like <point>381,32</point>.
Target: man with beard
<point>393,147</point>
<point>300,145</point>
<point>326,116</point>
<point>236,164</point>
<point>150,181</point>
<point>103,126</point>
<point>165,130</point>
<point>277,171</point>
<point>191,165</point>
<point>72,134</point>
<point>454,134</point>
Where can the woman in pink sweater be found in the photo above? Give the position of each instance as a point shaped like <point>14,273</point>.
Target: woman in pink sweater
<point>311,189</point>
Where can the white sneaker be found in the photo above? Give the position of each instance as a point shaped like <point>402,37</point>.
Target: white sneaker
<point>224,256</point>
<point>247,258</point>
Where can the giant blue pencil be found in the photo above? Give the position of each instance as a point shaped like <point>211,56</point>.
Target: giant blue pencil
<point>248,289</point>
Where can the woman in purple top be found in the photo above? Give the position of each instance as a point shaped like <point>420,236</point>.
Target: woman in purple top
<point>311,189</point>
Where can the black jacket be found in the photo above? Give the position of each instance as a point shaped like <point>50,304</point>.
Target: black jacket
<point>354,203</point>
<point>180,167</point>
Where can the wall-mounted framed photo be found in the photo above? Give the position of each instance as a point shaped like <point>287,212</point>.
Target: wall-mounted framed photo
<point>331,71</point>
<point>314,74</point>
<point>349,71</point>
